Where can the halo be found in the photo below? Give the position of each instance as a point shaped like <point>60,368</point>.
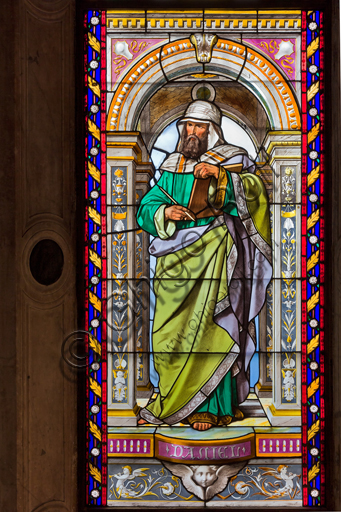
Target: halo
<point>203,91</point>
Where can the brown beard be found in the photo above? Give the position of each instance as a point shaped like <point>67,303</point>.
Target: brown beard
<point>191,146</point>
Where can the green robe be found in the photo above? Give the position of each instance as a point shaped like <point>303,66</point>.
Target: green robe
<point>192,353</point>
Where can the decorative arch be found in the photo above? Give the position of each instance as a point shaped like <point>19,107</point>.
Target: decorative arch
<point>229,59</point>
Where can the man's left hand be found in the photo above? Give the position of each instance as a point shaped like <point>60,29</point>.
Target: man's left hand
<point>205,170</point>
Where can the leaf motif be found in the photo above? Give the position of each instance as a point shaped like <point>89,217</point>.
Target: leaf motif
<point>94,42</point>
<point>95,344</point>
<point>94,172</point>
<point>313,387</point>
<point>95,216</point>
<point>94,86</point>
<point>95,431</point>
<point>313,133</point>
<point>314,429</point>
<point>313,90</point>
<point>314,471</point>
<point>314,217</point>
<point>313,301</point>
<point>313,343</point>
<point>95,301</point>
<point>95,472</point>
<point>313,260</point>
<point>94,130</point>
<point>95,259</point>
<point>313,176</point>
<point>95,387</point>
<point>313,47</point>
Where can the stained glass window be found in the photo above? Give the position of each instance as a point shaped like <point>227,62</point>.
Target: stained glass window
<point>204,257</point>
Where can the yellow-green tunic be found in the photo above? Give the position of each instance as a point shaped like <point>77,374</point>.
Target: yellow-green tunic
<point>192,353</point>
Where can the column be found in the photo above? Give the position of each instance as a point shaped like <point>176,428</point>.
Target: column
<point>284,150</point>
<point>128,297</point>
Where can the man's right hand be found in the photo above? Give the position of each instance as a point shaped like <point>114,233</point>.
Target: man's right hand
<point>177,212</point>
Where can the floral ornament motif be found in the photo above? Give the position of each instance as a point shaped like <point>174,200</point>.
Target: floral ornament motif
<point>94,109</point>
<point>313,323</point>
<point>270,482</point>
<point>313,69</point>
<point>95,293</point>
<point>120,375</point>
<point>121,48</point>
<point>167,489</point>
<point>288,184</point>
<point>241,487</point>
<point>126,52</point>
<point>313,239</point>
<point>269,331</point>
<point>139,326</point>
<point>286,48</point>
<point>289,328</point>
<point>94,20</point>
<point>272,46</point>
<point>289,242</point>
<point>119,293</point>
<point>283,50</point>
<point>289,381</point>
<point>288,286</point>
<point>138,483</point>
<point>123,489</point>
<point>120,387</point>
<point>119,186</point>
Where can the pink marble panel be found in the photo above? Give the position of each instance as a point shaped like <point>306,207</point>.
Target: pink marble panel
<point>281,51</point>
<point>126,51</point>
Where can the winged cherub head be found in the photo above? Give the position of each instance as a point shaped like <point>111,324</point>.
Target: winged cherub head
<point>204,475</point>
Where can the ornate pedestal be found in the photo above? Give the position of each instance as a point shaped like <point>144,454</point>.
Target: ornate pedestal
<point>149,464</point>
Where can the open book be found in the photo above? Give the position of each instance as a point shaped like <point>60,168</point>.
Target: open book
<point>199,203</point>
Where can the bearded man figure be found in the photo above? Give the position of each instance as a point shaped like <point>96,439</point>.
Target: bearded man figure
<point>211,275</point>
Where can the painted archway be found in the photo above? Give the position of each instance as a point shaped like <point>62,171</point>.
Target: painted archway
<point>229,59</point>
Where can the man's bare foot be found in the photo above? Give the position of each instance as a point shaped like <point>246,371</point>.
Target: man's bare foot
<point>142,421</point>
<point>202,426</point>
